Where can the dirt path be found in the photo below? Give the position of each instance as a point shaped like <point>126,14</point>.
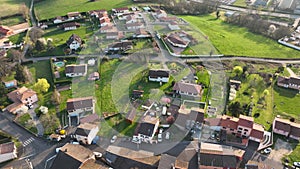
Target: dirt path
<point>281,148</point>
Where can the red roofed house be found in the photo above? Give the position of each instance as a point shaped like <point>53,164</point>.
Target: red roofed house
<point>286,128</point>
<point>96,13</point>
<point>5,31</point>
<point>8,151</point>
<point>177,41</point>
<point>229,124</point>
<point>104,22</point>
<point>21,97</point>
<point>257,133</point>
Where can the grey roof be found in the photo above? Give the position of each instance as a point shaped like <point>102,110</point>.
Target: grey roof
<point>218,160</point>
<point>187,87</point>
<point>75,68</point>
<point>79,103</point>
<point>146,129</point>
<point>64,161</point>
<point>166,161</point>
<point>72,38</point>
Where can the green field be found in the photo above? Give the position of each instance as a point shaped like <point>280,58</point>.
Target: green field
<point>11,7</point>
<point>53,8</point>
<point>234,40</point>
<point>12,21</point>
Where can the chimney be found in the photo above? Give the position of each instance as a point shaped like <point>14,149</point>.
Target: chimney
<point>66,150</point>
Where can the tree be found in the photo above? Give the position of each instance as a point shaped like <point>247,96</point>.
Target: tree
<point>42,85</point>
<point>20,74</point>
<point>39,45</point>
<point>50,45</point>
<point>170,120</point>
<point>56,99</point>
<point>235,108</point>
<point>238,70</point>
<point>14,55</point>
<point>35,34</point>
<point>49,122</point>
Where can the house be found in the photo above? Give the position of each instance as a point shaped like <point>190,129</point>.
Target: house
<point>187,117</point>
<point>21,97</point>
<point>134,26</point>
<point>11,83</point>
<point>43,25</point>
<point>286,128</point>
<point>103,16</point>
<point>74,42</point>
<point>173,26</point>
<point>289,82</point>
<point>159,13</point>
<point>94,76</point>
<point>120,10</point>
<point>215,155</point>
<point>136,94</point>
<point>141,33</point>
<point>235,84</point>
<point>104,22</point>
<point>78,108</point>
<point>8,151</point>
<point>86,132</point>
<point>130,19</point>
<point>114,35</point>
<point>147,128</point>
<point>121,46</point>
<point>130,115</point>
<point>70,26</point>
<point>59,19</point>
<point>75,70</point>
<point>175,40</point>
<point>108,28</point>
<point>187,89</point>
<point>73,15</point>
<point>188,158</point>
<point>90,118</point>
<point>168,19</point>
<point>166,161</point>
<point>96,13</point>
<point>74,156</point>
<point>5,31</point>
<point>156,75</point>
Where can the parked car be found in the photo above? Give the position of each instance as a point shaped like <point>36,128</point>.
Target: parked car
<point>57,149</point>
<point>113,139</point>
<point>296,164</point>
<point>159,137</point>
<point>74,142</point>
<point>161,130</point>
<point>167,135</point>
<point>97,154</point>
<point>267,150</point>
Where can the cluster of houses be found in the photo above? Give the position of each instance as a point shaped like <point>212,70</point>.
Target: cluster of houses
<point>293,40</point>
<point>289,82</point>
<point>162,16</point>
<point>5,31</point>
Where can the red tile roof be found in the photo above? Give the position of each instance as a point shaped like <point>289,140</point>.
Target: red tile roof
<point>229,122</point>
<point>257,131</point>
<point>245,121</point>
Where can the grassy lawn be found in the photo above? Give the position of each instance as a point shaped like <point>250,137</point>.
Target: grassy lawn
<point>25,121</point>
<point>42,69</point>
<point>44,9</point>
<point>18,38</point>
<point>188,51</point>
<point>234,40</point>
<point>11,7</point>
<point>12,21</point>
<point>240,3</point>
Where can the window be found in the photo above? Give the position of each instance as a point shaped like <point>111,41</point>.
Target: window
<point>231,129</point>
<point>224,127</point>
<point>239,131</point>
<point>240,128</point>
<point>245,133</point>
<point>245,129</point>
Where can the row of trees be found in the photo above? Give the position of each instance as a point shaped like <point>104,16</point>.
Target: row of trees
<point>258,25</point>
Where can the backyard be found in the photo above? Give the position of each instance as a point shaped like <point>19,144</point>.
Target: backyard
<point>11,7</point>
<point>234,40</point>
<point>62,7</point>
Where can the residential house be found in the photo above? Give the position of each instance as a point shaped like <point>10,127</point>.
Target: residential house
<point>78,108</point>
<point>11,83</point>
<point>166,162</point>
<point>21,97</point>
<point>94,76</point>
<point>134,26</point>
<point>235,83</point>
<point>141,33</point>
<point>86,132</point>
<point>108,28</point>
<point>43,25</point>
<point>130,19</point>
<point>289,82</point>
<point>159,75</point>
<point>96,13</point>
<point>188,117</point>
<point>5,31</point>
<point>104,22</point>
<point>188,158</point>
<point>147,128</point>
<point>159,14</point>
<point>70,26</point>
<point>168,19</point>
<point>215,155</point>
<point>92,118</point>
<point>188,89</point>
<point>121,46</point>
<point>74,156</point>
<point>59,19</point>
<point>73,15</point>
<point>173,26</point>
<point>114,35</point>
<point>175,40</point>
<point>103,16</point>
<point>120,10</point>
<point>130,115</point>
<point>286,128</point>
<point>8,151</point>
<point>74,42</point>
<point>75,70</point>
<point>136,94</point>
<point>245,125</point>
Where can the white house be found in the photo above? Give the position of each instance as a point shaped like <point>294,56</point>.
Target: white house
<point>76,70</point>
<point>159,75</point>
<point>141,33</point>
<point>134,26</point>
<point>173,26</point>
<point>8,151</point>
<point>86,132</point>
<point>58,19</point>
<point>74,42</point>
<point>70,26</point>
<point>78,108</point>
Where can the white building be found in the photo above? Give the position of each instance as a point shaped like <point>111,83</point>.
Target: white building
<point>86,132</point>
<point>74,42</point>
<point>78,108</point>
<point>159,75</point>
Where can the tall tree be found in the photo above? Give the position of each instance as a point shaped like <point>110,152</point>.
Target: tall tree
<point>14,55</point>
<point>42,85</point>
<point>35,34</point>
<point>40,46</point>
<point>20,74</point>
<point>56,99</point>
<point>237,70</point>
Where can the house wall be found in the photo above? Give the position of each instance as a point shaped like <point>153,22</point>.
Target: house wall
<point>74,45</point>
<point>70,28</point>
<point>255,139</point>
<point>188,94</point>
<point>281,132</point>
<point>294,137</point>
<point>74,74</point>
<point>246,131</point>
<point>176,45</point>
<point>57,21</point>
<point>30,100</point>
<point>159,79</point>
<point>92,134</point>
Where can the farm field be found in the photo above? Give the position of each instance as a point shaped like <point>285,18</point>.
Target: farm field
<point>234,40</point>
<point>11,7</point>
<point>62,7</point>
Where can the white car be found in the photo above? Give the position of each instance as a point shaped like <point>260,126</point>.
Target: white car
<point>267,150</point>
<point>57,149</point>
<point>167,135</point>
<point>97,154</point>
<point>159,137</point>
<point>297,164</point>
<point>113,139</point>
<point>161,130</point>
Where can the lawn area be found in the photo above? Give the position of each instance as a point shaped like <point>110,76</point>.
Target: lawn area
<point>18,38</point>
<point>25,121</point>
<point>11,7</point>
<point>240,3</point>
<point>12,21</point>
<point>44,9</point>
<point>42,69</point>
<point>234,40</point>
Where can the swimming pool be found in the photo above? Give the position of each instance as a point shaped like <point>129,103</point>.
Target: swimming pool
<point>59,64</point>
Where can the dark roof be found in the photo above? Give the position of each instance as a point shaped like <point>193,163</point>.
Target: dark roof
<point>70,24</point>
<point>294,80</point>
<point>82,132</point>
<point>72,38</point>
<point>146,128</point>
<point>90,118</point>
<point>197,115</point>
<point>295,130</point>
<point>79,103</point>
<point>245,121</point>
<point>188,158</point>
<point>166,161</point>
<point>122,45</point>
<point>7,147</point>
<point>75,69</point>
<point>177,39</point>
<point>218,160</point>
<point>131,114</point>
<point>158,73</point>
<point>282,80</point>
<point>213,121</point>
<point>288,80</point>
<point>187,87</point>
<point>64,161</point>
<point>282,125</point>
